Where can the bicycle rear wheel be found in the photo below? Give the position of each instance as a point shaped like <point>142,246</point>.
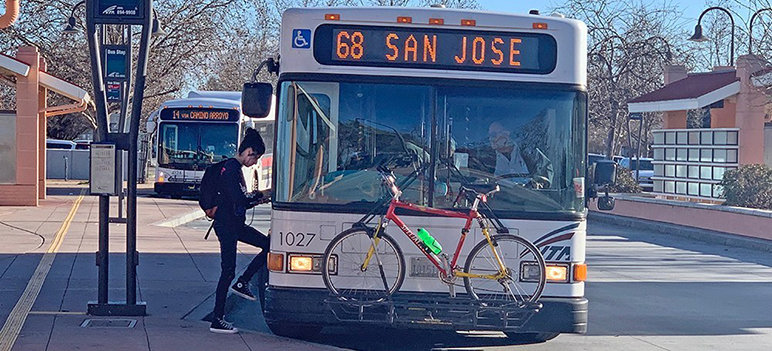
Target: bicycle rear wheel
<point>525,270</point>
<point>348,278</point>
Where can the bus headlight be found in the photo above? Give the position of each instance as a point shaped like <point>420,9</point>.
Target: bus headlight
<point>161,177</point>
<point>301,263</point>
<point>555,272</point>
<point>310,263</point>
<point>529,272</point>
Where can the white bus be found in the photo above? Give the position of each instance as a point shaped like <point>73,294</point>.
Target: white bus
<point>202,129</point>
<point>500,97</point>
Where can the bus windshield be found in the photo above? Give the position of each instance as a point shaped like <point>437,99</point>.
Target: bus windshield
<point>333,135</point>
<point>186,145</point>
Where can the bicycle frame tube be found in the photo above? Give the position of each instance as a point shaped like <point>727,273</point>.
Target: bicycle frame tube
<point>469,216</point>
<point>370,252</point>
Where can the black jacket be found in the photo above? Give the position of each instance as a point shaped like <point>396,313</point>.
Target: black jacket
<point>234,200</point>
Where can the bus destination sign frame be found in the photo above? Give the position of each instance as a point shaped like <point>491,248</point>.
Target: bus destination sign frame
<point>435,48</point>
<point>200,114</point>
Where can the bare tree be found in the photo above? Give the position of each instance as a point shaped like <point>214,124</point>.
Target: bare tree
<point>198,33</point>
<point>629,43</point>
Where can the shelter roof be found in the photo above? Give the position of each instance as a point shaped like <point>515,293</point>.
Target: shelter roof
<point>10,65</point>
<point>697,90</point>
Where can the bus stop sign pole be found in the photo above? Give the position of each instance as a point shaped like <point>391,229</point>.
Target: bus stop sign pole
<point>119,12</point>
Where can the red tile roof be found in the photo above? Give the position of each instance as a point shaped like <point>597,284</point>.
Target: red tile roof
<point>691,87</point>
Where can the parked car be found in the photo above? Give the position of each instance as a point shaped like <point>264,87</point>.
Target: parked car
<point>59,144</point>
<point>646,171</point>
<point>592,158</point>
<point>82,144</point>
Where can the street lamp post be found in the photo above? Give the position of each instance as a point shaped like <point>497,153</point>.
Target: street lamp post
<point>637,117</point>
<point>614,107</point>
<point>698,37</point>
<point>71,21</point>
<point>750,28</point>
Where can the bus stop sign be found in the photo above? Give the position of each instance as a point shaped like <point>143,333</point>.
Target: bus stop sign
<point>114,91</point>
<point>116,62</point>
<point>119,11</point>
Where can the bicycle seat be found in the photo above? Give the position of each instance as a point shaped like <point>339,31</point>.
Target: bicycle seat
<point>481,189</point>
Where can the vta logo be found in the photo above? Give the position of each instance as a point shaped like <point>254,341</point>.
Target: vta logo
<point>110,10</point>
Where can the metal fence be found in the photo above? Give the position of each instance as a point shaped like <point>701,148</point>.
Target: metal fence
<point>74,164</point>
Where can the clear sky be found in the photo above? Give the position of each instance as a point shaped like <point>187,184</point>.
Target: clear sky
<point>691,8</point>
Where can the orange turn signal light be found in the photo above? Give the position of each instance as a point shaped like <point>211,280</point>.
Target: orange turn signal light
<point>468,22</point>
<point>539,25</point>
<point>332,17</point>
<point>438,21</point>
<point>275,262</point>
<point>404,19</point>
<point>580,272</point>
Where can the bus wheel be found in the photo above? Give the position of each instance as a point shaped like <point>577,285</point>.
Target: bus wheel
<point>531,338</point>
<point>295,331</point>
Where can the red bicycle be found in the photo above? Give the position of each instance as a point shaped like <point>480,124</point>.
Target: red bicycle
<point>364,263</point>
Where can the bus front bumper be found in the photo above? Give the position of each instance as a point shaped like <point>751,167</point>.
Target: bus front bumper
<point>188,189</point>
<point>308,306</point>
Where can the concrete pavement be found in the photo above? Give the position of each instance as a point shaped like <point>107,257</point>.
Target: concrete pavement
<point>177,274</point>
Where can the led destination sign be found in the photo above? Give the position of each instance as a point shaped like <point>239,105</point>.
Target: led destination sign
<point>429,48</point>
<point>199,114</point>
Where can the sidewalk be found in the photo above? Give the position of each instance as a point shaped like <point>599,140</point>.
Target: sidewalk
<point>177,274</point>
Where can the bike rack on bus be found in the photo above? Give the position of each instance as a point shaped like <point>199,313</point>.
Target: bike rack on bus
<point>458,313</point>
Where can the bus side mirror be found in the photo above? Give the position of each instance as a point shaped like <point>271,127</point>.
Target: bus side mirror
<point>605,172</point>
<point>606,203</point>
<point>256,99</point>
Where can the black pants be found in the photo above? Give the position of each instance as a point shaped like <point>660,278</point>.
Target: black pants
<point>229,234</point>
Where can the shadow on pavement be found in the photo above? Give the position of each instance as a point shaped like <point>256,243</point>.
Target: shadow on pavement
<point>629,235</point>
<point>380,339</point>
<point>75,188</point>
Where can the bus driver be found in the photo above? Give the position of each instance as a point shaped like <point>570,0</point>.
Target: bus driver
<point>521,166</point>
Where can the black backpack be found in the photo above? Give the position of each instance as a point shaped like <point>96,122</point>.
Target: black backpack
<point>210,189</point>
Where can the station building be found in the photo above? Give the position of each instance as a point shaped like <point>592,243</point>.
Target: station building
<point>23,130</point>
<point>690,160</point>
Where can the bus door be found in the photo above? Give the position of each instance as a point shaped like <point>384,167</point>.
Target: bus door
<point>314,145</point>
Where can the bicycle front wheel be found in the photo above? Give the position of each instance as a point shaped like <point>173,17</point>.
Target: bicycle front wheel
<point>522,279</point>
<point>358,268</point>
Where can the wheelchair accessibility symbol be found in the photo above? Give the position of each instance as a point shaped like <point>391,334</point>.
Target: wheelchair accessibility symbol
<point>301,38</point>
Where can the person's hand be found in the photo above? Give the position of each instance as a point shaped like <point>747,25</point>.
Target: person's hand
<point>267,194</point>
<point>538,182</point>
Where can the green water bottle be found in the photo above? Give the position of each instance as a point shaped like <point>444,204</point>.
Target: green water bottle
<point>429,241</point>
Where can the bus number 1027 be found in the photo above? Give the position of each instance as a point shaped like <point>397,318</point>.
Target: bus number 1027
<point>296,239</point>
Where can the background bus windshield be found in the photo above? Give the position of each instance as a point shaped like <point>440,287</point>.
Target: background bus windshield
<point>333,135</point>
<point>186,145</point>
